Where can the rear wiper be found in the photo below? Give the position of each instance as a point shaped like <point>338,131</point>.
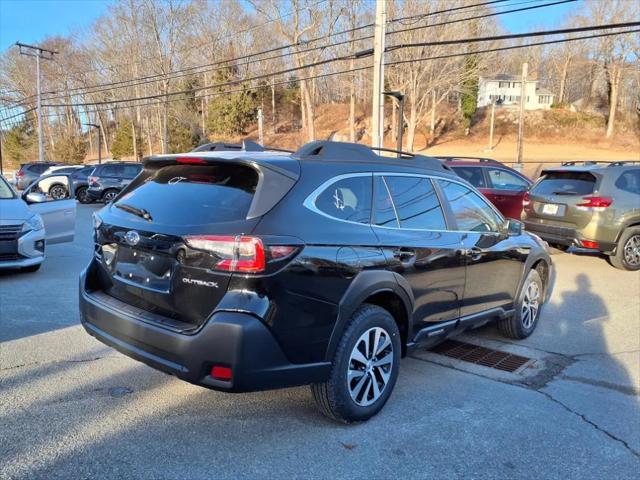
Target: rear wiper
<point>140,212</point>
<point>565,193</point>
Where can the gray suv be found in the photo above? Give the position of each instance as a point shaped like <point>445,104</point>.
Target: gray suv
<point>106,180</point>
<point>593,206</point>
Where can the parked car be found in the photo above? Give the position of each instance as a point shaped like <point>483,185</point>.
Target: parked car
<point>108,179</point>
<point>30,221</point>
<point>30,171</point>
<point>592,206</point>
<point>57,190</point>
<point>503,186</point>
<point>79,177</point>
<point>243,272</point>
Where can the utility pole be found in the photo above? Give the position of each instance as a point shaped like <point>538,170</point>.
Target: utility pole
<point>493,115</point>
<point>523,100</point>
<point>45,54</point>
<point>377,114</point>
<point>260,127</point>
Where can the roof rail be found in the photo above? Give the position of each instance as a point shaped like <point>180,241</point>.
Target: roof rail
<point>620,163</point>
<point>356,152</point>
<point>585,163</point>
<point>245,146</point>
<point>467,159</point>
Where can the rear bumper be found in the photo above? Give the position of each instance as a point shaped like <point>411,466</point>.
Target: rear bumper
<point>565,236</point>
<point>230,339</point>
<point>94,194</point>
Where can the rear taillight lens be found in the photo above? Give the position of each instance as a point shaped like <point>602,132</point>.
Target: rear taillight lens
<point>598,203</point>
<point>20,174</point>
<point>590,244</point>
<point>235,253</point>
<point>92,180</point>
<point>191,161</point>
<point>526,200</point>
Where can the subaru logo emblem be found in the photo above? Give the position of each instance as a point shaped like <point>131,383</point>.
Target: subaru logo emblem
<point>132,237</point>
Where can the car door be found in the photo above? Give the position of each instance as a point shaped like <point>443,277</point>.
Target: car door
<point>494,260</point>
<point>58,216</point>
<point>506,191</point>
<point>410,224</point>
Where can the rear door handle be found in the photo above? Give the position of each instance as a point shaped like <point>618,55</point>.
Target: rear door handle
<point>474,253</point>
<point>404,255</point>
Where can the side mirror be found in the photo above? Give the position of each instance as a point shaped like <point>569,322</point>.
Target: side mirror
<point>514,227</point>
<point>34,197</point>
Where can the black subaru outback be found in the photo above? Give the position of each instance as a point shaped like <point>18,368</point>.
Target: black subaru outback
<point>242,271</point>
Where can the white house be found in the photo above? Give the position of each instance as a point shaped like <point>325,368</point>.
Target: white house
<point>505,90</point>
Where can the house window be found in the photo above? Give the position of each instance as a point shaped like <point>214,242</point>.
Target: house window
<point>503,84</point>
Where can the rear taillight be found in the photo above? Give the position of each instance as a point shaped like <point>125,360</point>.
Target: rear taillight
<point>590,244</point>
<point>597,203</point>
<point>92,180</point>
<point>221,373</point>
<point>235,253</point>
<point>526,200</point>
<point>191,161</point>
<point>20,174</point>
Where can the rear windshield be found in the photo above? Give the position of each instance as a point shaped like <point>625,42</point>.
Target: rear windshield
<point>565,183</point>
<point>194,195</point>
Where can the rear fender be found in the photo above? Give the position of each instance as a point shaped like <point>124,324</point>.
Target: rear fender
<point>366,284</point>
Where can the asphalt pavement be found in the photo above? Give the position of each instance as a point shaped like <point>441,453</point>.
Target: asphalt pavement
<point>71,407</point>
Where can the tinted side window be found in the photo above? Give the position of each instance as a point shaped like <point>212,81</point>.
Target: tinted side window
<point>629,181</point>
<point>130,171</point>
<point>416,203</point>
<point>384,213</point>
<point>109,171</point>
<point>505,180</point>
<point>39,168</point>
<point>347,199</point>
<point>473,175</point>
<point>472,213</point>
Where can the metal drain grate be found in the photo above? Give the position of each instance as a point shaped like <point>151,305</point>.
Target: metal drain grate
<point>480,355</point>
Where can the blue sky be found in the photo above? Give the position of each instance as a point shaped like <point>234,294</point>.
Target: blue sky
<point>29,21</point>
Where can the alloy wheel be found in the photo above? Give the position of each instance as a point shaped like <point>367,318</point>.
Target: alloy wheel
<point>109,196</point>
<point>530,305</point>
<point>58,193</point>
<point>370,366</point>
<point>632,250</point>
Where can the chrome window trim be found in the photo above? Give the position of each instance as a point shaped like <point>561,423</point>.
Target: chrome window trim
<point>310,201</point>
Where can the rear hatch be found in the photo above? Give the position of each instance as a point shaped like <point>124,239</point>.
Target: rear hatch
<point>562,198</point>
<point>171,242</point>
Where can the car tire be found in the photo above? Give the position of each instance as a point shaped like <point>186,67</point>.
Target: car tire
<point>109,195</point>
<point>58,192</point>
<point>527,312</point>
<point>627,256</point>
<point>32,268</point>
<point>83,196</point>
<point>350,396</point>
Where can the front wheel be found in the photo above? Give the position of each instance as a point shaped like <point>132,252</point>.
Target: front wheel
<point>627,255</point>
<point>365,367</point>
<point>109,195</point>
<point>527,310</point>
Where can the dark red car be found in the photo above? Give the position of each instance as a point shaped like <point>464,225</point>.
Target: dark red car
<point>503,186</point>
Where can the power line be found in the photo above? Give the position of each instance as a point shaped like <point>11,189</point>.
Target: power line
<point>188,71</point>
<point>393,63</point>
<point>348,57</point>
